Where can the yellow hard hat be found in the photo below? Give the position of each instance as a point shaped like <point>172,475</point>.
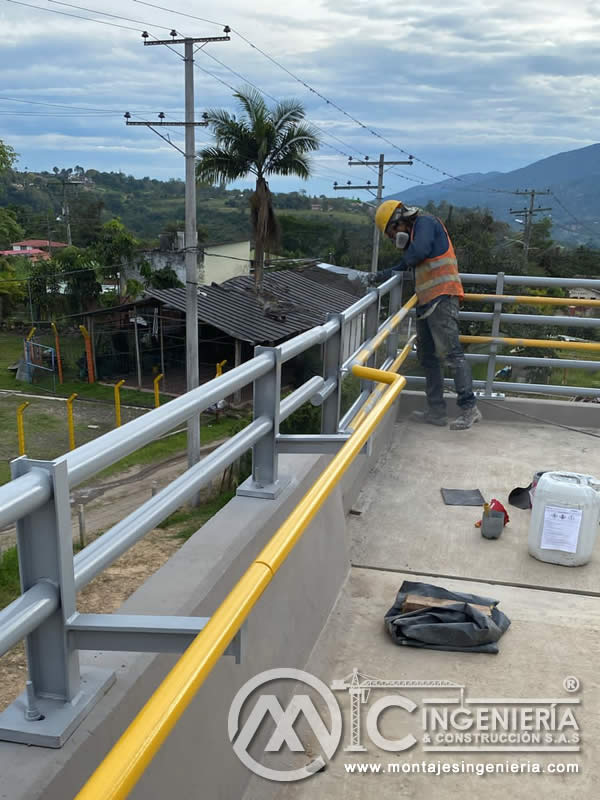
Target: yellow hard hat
<point>385,212</point>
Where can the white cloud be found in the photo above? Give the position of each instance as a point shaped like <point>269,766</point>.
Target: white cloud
<point>468,87</point>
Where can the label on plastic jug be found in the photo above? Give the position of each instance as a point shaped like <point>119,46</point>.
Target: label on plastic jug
<point>561,528</point>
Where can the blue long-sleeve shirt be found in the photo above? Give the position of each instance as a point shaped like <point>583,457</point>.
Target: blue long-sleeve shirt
<point>429,239</point>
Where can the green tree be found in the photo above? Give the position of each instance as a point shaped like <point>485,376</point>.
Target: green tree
<point>12,290</point>
<point>165,278</point>
<point>45,288</point>
<point>262,142</point>
<point>342,249</point>
<point>114,249</point>
<point>10,230</point>
<point>7,156</point>
<point>78,271</point>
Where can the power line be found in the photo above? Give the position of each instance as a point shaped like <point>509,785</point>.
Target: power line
<point>570,213</point>
<point>529,213</point>
<point>75,16</point>
<point>180,13</point>
<point>115,16</point>
<point>69,107</point>
<point>325,99</point>
<point>105,14</point>
<point>330,102</point>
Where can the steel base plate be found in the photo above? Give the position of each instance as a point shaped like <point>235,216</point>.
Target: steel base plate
<point>268,492</point>
<point>60,719</point>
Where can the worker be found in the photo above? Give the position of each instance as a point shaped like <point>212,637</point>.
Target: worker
<point>429,252</point>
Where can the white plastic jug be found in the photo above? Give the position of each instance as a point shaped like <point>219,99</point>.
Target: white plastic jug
<point>565,518</point>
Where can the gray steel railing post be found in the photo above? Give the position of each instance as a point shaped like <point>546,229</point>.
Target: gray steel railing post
<point>332,362</point>
<point>491,370</point>
<point>265,481</point>
<point>55,699</point>
<point>395,304</point>
<point>371,328</point>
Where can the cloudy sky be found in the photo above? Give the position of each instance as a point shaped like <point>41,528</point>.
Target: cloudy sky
<point>465,87</point>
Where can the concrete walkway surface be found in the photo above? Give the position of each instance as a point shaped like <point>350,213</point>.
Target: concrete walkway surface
<point>401,530</point>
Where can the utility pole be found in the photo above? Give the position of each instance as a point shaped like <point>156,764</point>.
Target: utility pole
<point>529,213</point>
<point>378,194</point>
<point>191,225</point>
<point>66,211</point>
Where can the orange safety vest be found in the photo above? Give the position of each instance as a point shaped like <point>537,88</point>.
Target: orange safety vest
<point>438,275</point>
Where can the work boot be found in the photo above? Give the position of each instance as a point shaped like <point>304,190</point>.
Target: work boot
<point>429,418</point>
<point>467,418</point>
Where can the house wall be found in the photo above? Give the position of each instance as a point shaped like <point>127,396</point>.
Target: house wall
<point>225,261</point>
<point>217,264</point>
<point>159,259</point>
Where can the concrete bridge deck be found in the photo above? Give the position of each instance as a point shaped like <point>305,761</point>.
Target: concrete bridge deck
<point>404,531</point>
<point>400,529</point>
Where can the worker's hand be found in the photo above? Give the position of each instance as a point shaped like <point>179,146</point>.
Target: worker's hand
<point>376,278</point>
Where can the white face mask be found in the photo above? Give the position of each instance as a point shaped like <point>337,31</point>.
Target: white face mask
<point>402,239</point>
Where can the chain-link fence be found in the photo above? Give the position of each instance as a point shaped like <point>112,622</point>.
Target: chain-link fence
<point>39,365</point>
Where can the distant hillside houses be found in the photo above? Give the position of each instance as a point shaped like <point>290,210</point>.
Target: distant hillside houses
<point>35,249</point>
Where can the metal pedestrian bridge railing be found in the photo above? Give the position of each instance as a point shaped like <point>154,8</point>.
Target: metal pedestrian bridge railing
<point>59,694</point>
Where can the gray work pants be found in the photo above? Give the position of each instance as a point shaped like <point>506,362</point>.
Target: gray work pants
<point>438,344</point>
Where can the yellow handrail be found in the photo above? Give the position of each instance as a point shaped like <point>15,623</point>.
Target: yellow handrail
<point>531,300</point>
<point>546,343</point>
<point>380,388</point>
<point>116,776</point>
<point>367,351</point>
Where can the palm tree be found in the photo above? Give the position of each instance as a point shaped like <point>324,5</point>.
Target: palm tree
<point>261,142</point>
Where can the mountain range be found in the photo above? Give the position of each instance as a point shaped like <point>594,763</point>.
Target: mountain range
<point>572,178</point>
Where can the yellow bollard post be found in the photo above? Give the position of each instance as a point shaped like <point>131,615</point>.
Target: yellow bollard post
<point>30,335</point>
<point>21,428</point>
<point>157,380</point>
<point>70,421</point>
<point>118,401</point>
<point>220,366</point>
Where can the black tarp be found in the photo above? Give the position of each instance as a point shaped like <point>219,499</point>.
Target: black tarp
<point>459,626</point>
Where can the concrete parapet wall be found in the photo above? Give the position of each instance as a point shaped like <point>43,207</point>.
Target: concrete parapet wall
<point>197,759</point>
<point>526,410</point>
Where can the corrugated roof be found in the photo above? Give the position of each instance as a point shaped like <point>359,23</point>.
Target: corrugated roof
<point>292,304</point>
<point>40,243</point>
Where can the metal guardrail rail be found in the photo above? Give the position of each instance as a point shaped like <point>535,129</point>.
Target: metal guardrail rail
<point>124,765</point>
<point>37,499</point>
<point>494,389</point>
<point>58,694</point>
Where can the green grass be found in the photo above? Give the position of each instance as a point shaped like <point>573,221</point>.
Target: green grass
<point>11,350</point>
<point>187,521</point>
<point>163,449</point>
<point>10,586</point>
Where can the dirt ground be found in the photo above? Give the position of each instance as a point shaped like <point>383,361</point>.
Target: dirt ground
<point>104,595</point>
